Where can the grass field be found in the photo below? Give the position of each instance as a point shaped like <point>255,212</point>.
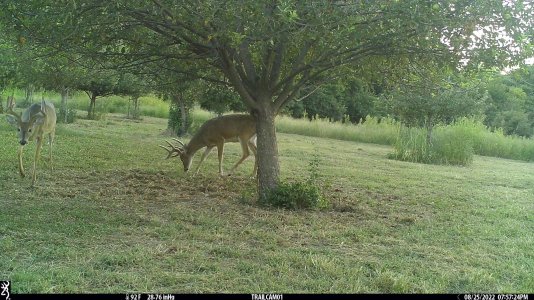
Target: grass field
<point>114,216</point>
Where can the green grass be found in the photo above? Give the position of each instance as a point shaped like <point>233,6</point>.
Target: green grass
<point>114,216</point>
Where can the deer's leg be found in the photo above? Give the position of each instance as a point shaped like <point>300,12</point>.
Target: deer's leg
<point>246,153</point>
<point>204,155</point>
<point>253,148</point>
<point>21,167</point>
<point>50,141</point>
<point>220,150</point>
<point>37,153</point>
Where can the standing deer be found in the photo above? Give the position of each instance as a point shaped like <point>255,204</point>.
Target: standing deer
<point>214,133</point>
<point>36,121</point>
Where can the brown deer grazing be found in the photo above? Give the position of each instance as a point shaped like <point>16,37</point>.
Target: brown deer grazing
<point>214,133</point>
<point>36,121</point>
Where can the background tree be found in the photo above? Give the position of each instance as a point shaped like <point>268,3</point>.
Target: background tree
<point>431,96</point>
<point>133,86</point>
<point>511,102</point>
<point>97,84</point>
<point>327,102</point>
<point>9,73</point>
<point>351,98</point>
<point>7,69</point>
<point>360,101</point>
<point>182,101</point>
<point>220,99</point>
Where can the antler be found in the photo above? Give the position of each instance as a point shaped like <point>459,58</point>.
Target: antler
<point>173,150</point>
<point>179,142</point>
<point>10,106</point>
<point>43,106</point>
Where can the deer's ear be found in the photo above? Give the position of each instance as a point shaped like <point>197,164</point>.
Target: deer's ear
<point>39,120</point>
<point>12,120</point>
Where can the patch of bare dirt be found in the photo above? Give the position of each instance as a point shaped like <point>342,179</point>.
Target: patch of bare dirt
<point>142,185</point>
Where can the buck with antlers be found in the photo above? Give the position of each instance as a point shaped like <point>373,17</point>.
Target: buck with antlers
<point>214,133</point>
<point>36,121</point>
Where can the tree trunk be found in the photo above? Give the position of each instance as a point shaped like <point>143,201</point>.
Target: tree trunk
<point>429,135</point>
<point>128,115</point>
<point>135,112</point>
<point>29,93</point>
<point>136,108</point>
<point>185,121</point>
<point>91,111</point>
<point>179,119</point>
<point>268,165</point>
<point>63,107</point>
<point>429,127</point>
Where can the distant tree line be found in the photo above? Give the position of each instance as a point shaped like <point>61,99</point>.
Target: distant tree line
<point>503,101</point>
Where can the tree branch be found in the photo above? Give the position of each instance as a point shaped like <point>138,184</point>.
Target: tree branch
<point>228,68</point>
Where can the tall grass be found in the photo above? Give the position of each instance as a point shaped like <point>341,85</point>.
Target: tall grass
<point>496,144</point>
<point>456,143</point>
<point>153,107</point>
<point>450,144</point>
<point>383,132</point>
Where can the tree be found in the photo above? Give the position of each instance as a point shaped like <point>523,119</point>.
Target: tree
<point>8,59</point>
<point>180,110</point>
<point>182,94</point>
<point>335,101</point>
<point>220,99</point>
<point>511,102</point>
<point>269,50</point>
<point>432,96</point>
<point>360,101</point>
<point>133,86</point>
<point>95,85</point>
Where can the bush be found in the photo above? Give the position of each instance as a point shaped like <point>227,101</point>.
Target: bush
<point>296,195</point>
<point>299,195</point>
<point>456,144</point>
<point>451,144</point>
<point>411,146</point>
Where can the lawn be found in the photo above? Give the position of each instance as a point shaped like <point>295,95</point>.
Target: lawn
<point>114,216</point>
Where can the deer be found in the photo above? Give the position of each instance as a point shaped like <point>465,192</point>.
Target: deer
<point>215,133</point>
<point>36,121</point>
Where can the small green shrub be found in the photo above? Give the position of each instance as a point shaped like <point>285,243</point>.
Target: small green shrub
<point>300,195</point>
<point>296,195</point>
